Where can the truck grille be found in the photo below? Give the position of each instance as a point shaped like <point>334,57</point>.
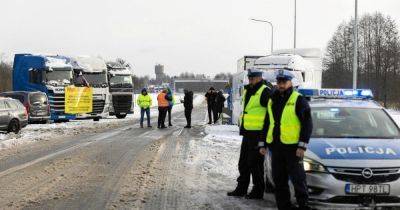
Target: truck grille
<point>57,102</point>
<point>122,103</point>
<point>356,175</point>
<point>98,106</point>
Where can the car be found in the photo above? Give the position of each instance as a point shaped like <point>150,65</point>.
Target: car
<point>36,104</point>
<point>353,157</point>
<point>13,115</point>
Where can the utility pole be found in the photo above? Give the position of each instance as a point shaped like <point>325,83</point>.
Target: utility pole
<point>272,31</point>
<point>295,25</point>
<point>355,50</point>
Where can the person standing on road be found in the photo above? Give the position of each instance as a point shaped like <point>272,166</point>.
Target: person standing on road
<point>289,131</point>
<point>251,162</point>
<point>162,108</point>
<point>219,103</point>
<point>171,101</point>
<point>144,101</point>
<point>211,105</point>
<point>188,104</point>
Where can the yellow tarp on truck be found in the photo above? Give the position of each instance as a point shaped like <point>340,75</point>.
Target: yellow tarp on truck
<point>78,100</point>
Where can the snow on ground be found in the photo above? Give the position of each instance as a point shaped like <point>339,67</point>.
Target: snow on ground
<point>38,132</point>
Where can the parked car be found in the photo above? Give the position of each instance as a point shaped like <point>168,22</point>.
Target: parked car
<point>13,115</point>
<point>36,103</point>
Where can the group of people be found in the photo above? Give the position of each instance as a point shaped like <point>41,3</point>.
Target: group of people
<point>166,101</point>
<point>215,104</point>
<point>276,121</point>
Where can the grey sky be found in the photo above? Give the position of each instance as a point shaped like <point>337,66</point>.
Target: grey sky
<point>205,36</point>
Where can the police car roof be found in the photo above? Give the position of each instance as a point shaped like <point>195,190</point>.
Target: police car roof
<point>354,103</point>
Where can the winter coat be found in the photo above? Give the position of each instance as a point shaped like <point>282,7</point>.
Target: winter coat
<point>144,101</point>
<point>220,100</point>
<point>188,100</point>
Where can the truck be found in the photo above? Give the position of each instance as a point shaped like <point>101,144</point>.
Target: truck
<point>121,89</point>
<point>46,73</point>
<point>94,71</point>
<point>305,64</point>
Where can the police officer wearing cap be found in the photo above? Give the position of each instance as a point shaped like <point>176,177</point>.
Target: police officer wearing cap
<point>251,163</point>
<point>289,130</point>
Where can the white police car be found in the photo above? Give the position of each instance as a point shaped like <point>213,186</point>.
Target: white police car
<point>353,158</point>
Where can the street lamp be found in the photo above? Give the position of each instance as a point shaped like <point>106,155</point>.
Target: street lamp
<point>272,31</point>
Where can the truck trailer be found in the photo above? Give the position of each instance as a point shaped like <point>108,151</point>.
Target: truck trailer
<point>45,73</point>
<point>121,89</point>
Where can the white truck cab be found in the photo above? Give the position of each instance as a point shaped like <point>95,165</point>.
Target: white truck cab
<point>94,71</point>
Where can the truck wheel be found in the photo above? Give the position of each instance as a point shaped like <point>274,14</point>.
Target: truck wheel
<point>96,119</point>
<point>120,116</point>
<point>14,126</point>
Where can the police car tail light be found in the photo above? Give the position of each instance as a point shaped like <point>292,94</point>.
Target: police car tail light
<point>337,93</point>
<point>313,166</point>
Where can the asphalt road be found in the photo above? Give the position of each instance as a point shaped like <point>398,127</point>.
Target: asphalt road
<point>126,167</point>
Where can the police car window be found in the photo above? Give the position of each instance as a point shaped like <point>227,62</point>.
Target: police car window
<point>352,123</point>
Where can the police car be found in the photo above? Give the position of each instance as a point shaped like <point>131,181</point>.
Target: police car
<point>353,158</point>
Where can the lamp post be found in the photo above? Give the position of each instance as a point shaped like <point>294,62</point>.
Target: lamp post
<point>272,31</point>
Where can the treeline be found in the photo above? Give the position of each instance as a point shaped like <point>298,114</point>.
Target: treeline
<point>378,58</point>
<point>5,76</point>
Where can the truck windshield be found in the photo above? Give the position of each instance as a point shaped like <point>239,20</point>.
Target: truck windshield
<point>59,76</point>
<point>37,98</point>
<point>121,80</point>
<point>343,122</point>
<point>96,78</point>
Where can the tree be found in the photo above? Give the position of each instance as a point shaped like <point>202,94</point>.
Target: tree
<point>5,76</point>
<point>223,76</point>
<point>378,57</point>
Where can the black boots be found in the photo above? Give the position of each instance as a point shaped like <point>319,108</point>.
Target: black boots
<point>256,194</point>
<point>238,192</point>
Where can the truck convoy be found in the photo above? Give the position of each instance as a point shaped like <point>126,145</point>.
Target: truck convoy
<point>305,64</point>
<point>48,74</point>
<point>94,71</point>
<point>121,90</point>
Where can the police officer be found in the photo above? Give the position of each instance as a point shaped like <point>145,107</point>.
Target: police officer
<point>251,162</point>
<point>289,130</point>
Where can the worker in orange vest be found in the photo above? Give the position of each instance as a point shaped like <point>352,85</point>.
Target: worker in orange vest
<point>163,105</point>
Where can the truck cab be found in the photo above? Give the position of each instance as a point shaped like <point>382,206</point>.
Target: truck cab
<point>48,74</point>
<point>121,90</point>
<point>94,71</point>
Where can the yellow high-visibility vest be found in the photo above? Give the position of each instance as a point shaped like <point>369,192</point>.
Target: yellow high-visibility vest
<point>290,124</point>
<point>254,114</point>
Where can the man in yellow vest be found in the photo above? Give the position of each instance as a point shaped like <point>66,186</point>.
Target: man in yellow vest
<point>144,101</point>
<point>251,163</point>
<point>289,130</point>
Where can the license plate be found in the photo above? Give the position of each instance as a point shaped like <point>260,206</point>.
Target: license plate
<point>373,189</point>
<point>61,117</point>
<point>122,113</point>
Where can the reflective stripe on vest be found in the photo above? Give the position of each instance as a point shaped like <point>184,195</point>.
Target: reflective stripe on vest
<point>290,123</point>
<point>254,114</point>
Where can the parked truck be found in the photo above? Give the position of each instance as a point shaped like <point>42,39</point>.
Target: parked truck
<point>48,74</point>
<point>121,90</point>
<point>94,71</point>
<point>305,65</point>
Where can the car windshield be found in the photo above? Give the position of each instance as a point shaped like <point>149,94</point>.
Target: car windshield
<point>343,122</point>
<point>37,98</point>
<point>124,80</point>
<point>96,78</point>
<point>59,76</point>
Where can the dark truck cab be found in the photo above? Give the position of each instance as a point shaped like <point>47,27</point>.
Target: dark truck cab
<point>121,90</point>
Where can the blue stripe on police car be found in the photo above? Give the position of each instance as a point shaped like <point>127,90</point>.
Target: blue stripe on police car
<point>355,148</point>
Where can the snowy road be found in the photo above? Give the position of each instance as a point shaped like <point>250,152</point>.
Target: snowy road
<point>124,167</point>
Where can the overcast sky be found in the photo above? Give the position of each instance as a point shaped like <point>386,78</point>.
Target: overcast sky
<point>200,36</point>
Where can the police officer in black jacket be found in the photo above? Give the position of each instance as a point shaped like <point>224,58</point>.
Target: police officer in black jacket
<point>251,162</point>
<point>289,131</point>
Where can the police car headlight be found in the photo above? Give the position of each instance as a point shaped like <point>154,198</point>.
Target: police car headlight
<point>313,166</point>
